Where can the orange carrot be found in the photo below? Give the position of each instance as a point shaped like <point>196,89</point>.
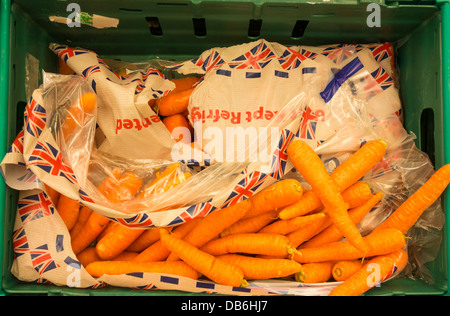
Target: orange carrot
<point>357,194</point>
<point>69,210</point>
<point>317,272</point>
<point>346,174</point>
<point>332,234</point>
<point>378,243</point>
<point>289,225</point>
<point>342,270</point>
<point>157,251</point>
<point>87,103</point>
<point>83,217</point>
<point>116,240</point>
<point>215,269</point>
<point>409,212</point>
<point>251,224</point>
<point>299,236</point>
<point>87,256</point>
<point>107,229</point>
<point>257,243</point>
<point>308,163</point>
<point>178,120</point>
<point>174,103</point>
<point>185,83</point>
<point>115,191</point>
<point>99,268</point>
<point>258,268</point>
<point>275,197</point>
<point>376,270</point>
<point>214,223</point>
<point>149,237</point>
<point>53,194</point>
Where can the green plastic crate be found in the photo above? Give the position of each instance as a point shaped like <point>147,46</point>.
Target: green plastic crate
<point>181,29</point>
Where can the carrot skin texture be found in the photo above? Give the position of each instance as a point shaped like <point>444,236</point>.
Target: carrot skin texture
<point>258,268</point>
<point>275,197</point>
<point>309,164</point>
<point>215,269</point>
<point>317,272</point>
<point>343,270</point>
<point>379,242</point>
<point>69,210</point>
<point>409,212</point>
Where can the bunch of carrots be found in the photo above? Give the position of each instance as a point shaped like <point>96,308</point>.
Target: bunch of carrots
<point>173,108</point>
<point>282,231</point>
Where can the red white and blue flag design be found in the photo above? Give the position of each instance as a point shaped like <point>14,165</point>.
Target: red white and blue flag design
<point>212,61</point>
<point>246,187</point>
<point>48,158</point>
<point>341,52</point>
<point>280,157</point>
<point>308,124</point>
<point>20,242</point>
<point>65,52</point>
<point>42,260</point>
<point>291,59</point>
<point>382,78</point>
<point>35,118</point>
<point>257,58</point>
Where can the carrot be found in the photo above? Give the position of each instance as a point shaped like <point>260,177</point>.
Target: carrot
<point>275,197</point>
<point>83,217</point>
<point>107,229</point>
<point>256,243</point>
<point>409,211</point>
<point>115,191</point>
<point>149,237</point>
<point>301,235</point>
<point>308,163</point>
<point>251,224</point>
<point>69,210</point>
<point>178,120</point>
<point>157,251</point>
<point>87,256</point>
<point>185,83</point>
<point>258,268</point>
<point>332,234</point>
<point>357,194</point>
<point>378,242</point>
<point>346,174</point>
<point>99,268</point>
<point>116,240</point>
<point>87,103</point>
<point>53,194</point>
<point>289,225</point>
<point>215,269</point>
<point>376,270</point>
<point>214,223</point>
<point>90,255</point>
<point>342,270</point>
<point>317,272</point>
<point>174,103</point>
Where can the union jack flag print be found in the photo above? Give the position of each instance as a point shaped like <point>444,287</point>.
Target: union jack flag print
<point>89,71</point>
<point>65,52</point>
<point>382,78</point>
<point>279,159</point>
<point>246,187</point>
<point>212,61</point>
<point>308,54</point>
<point>341,52</point>
<point>199,210</point>
<point>34,206</point>
<point>42,260</point>
<point>49,159</point>
<point>138,220</point>
<point>20,242</point>
<point>35,118</point>
<point>291,59</point>
<point>381,51</point>
<point>257,58</point>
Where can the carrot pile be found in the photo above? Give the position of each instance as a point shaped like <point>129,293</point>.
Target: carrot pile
<point>281,231</point>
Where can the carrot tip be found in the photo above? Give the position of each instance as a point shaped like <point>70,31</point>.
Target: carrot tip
<point>300,277</point>
<point>244,283</point>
